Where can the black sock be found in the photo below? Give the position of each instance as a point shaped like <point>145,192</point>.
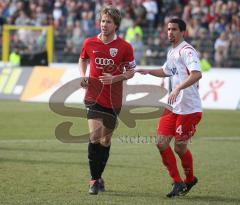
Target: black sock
<point>104,153</point>
<point>94,160</point>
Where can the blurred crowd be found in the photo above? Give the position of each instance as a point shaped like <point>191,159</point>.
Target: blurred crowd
<point>213,26</point>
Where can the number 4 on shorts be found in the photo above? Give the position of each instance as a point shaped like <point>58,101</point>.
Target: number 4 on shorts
<point>179,130</point>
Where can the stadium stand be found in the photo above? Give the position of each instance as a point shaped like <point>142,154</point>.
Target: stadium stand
<point>213,25</point>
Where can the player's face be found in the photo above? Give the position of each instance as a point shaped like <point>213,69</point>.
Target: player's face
<point>108,26</point>
<point>174,33</point>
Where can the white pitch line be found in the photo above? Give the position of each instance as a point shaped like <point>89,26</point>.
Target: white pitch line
<point>235,138</point>
<point>232,138</point>
<point>28,141</point>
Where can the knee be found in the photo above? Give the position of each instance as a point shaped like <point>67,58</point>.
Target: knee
<point>177,150</point>
<point>162,144</point>
<point>105,141</point>
<point>160,147</point>
<point>94,138</point>
<point>180,150</point>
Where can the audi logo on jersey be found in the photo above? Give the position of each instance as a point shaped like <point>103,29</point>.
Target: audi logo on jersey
<point>104,61</point>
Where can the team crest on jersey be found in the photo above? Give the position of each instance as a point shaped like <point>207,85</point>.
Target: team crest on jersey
<point>113,51</point>
<point>190,54</point>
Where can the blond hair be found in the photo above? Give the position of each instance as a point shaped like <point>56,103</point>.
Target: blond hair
<point>113,12</point>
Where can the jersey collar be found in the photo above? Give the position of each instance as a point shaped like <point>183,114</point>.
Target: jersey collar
<point>115,37</point>
<point>181,43</point>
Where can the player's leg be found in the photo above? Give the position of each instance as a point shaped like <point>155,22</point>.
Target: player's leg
<point>185,129</point>
<point>166,130</point>
<point>95,128</point>
<point>110,123</point>
<point>180,147</point>
<point>187,163</point>
<point>95,114</point>
<point>168,158</point>
<point>105,145</point>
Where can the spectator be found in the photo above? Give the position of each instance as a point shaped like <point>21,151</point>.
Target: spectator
<point>75,38</point>
<point>215,16</point>
<point>132,31</point>
<point>2,19</point>
<point>14,58</point>
<point>41,17</point>
<point>203,43</point>
<point>221,47</point>
<point>139,12</point>
<point>87,20</point>
<point>58,14</point>
<point>127,22</point>
<point>152,10</point>
<point>138,48</point>
<point>204,62</point>
<point>23,19</point>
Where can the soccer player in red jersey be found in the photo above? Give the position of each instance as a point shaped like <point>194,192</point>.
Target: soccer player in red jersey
<point>111,62</point>
<point>183,68</point>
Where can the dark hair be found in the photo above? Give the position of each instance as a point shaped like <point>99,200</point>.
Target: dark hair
<point>114,13</point>
<point>181,24</point>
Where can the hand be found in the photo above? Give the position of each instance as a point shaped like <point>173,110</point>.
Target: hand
<point>142,71</point>
<point>129,74</point>
<point>106,79</point>
<point>84,82</point>
<point>173,96</point>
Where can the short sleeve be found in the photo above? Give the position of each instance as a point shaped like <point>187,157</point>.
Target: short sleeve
<point>84,54</point>
<point>166,69</point>
<point>129,57</point>
<point>191,60</point>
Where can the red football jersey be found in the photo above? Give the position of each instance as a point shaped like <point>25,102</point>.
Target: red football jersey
<point>114,58</point>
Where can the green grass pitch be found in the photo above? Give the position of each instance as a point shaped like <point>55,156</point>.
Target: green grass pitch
<point>36,168</point>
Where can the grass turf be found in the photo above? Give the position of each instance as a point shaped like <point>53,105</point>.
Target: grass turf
<point>35,168</point>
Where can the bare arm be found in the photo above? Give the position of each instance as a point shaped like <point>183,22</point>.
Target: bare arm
<point>192,78</point>
<point>82,64</point>
<point>154,72</point>
<point>107,78</point>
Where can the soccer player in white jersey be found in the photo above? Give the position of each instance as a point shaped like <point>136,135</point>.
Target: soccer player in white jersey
<point>183,68</point>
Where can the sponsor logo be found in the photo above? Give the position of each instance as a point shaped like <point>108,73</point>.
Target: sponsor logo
<point>174,71</point>
<point>104,61</point>
<point>113,51</point>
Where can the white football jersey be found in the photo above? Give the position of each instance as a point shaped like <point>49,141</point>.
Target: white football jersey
<point>180,62</point>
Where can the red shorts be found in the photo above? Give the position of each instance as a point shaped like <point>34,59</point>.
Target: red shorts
<point>182,127</point>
